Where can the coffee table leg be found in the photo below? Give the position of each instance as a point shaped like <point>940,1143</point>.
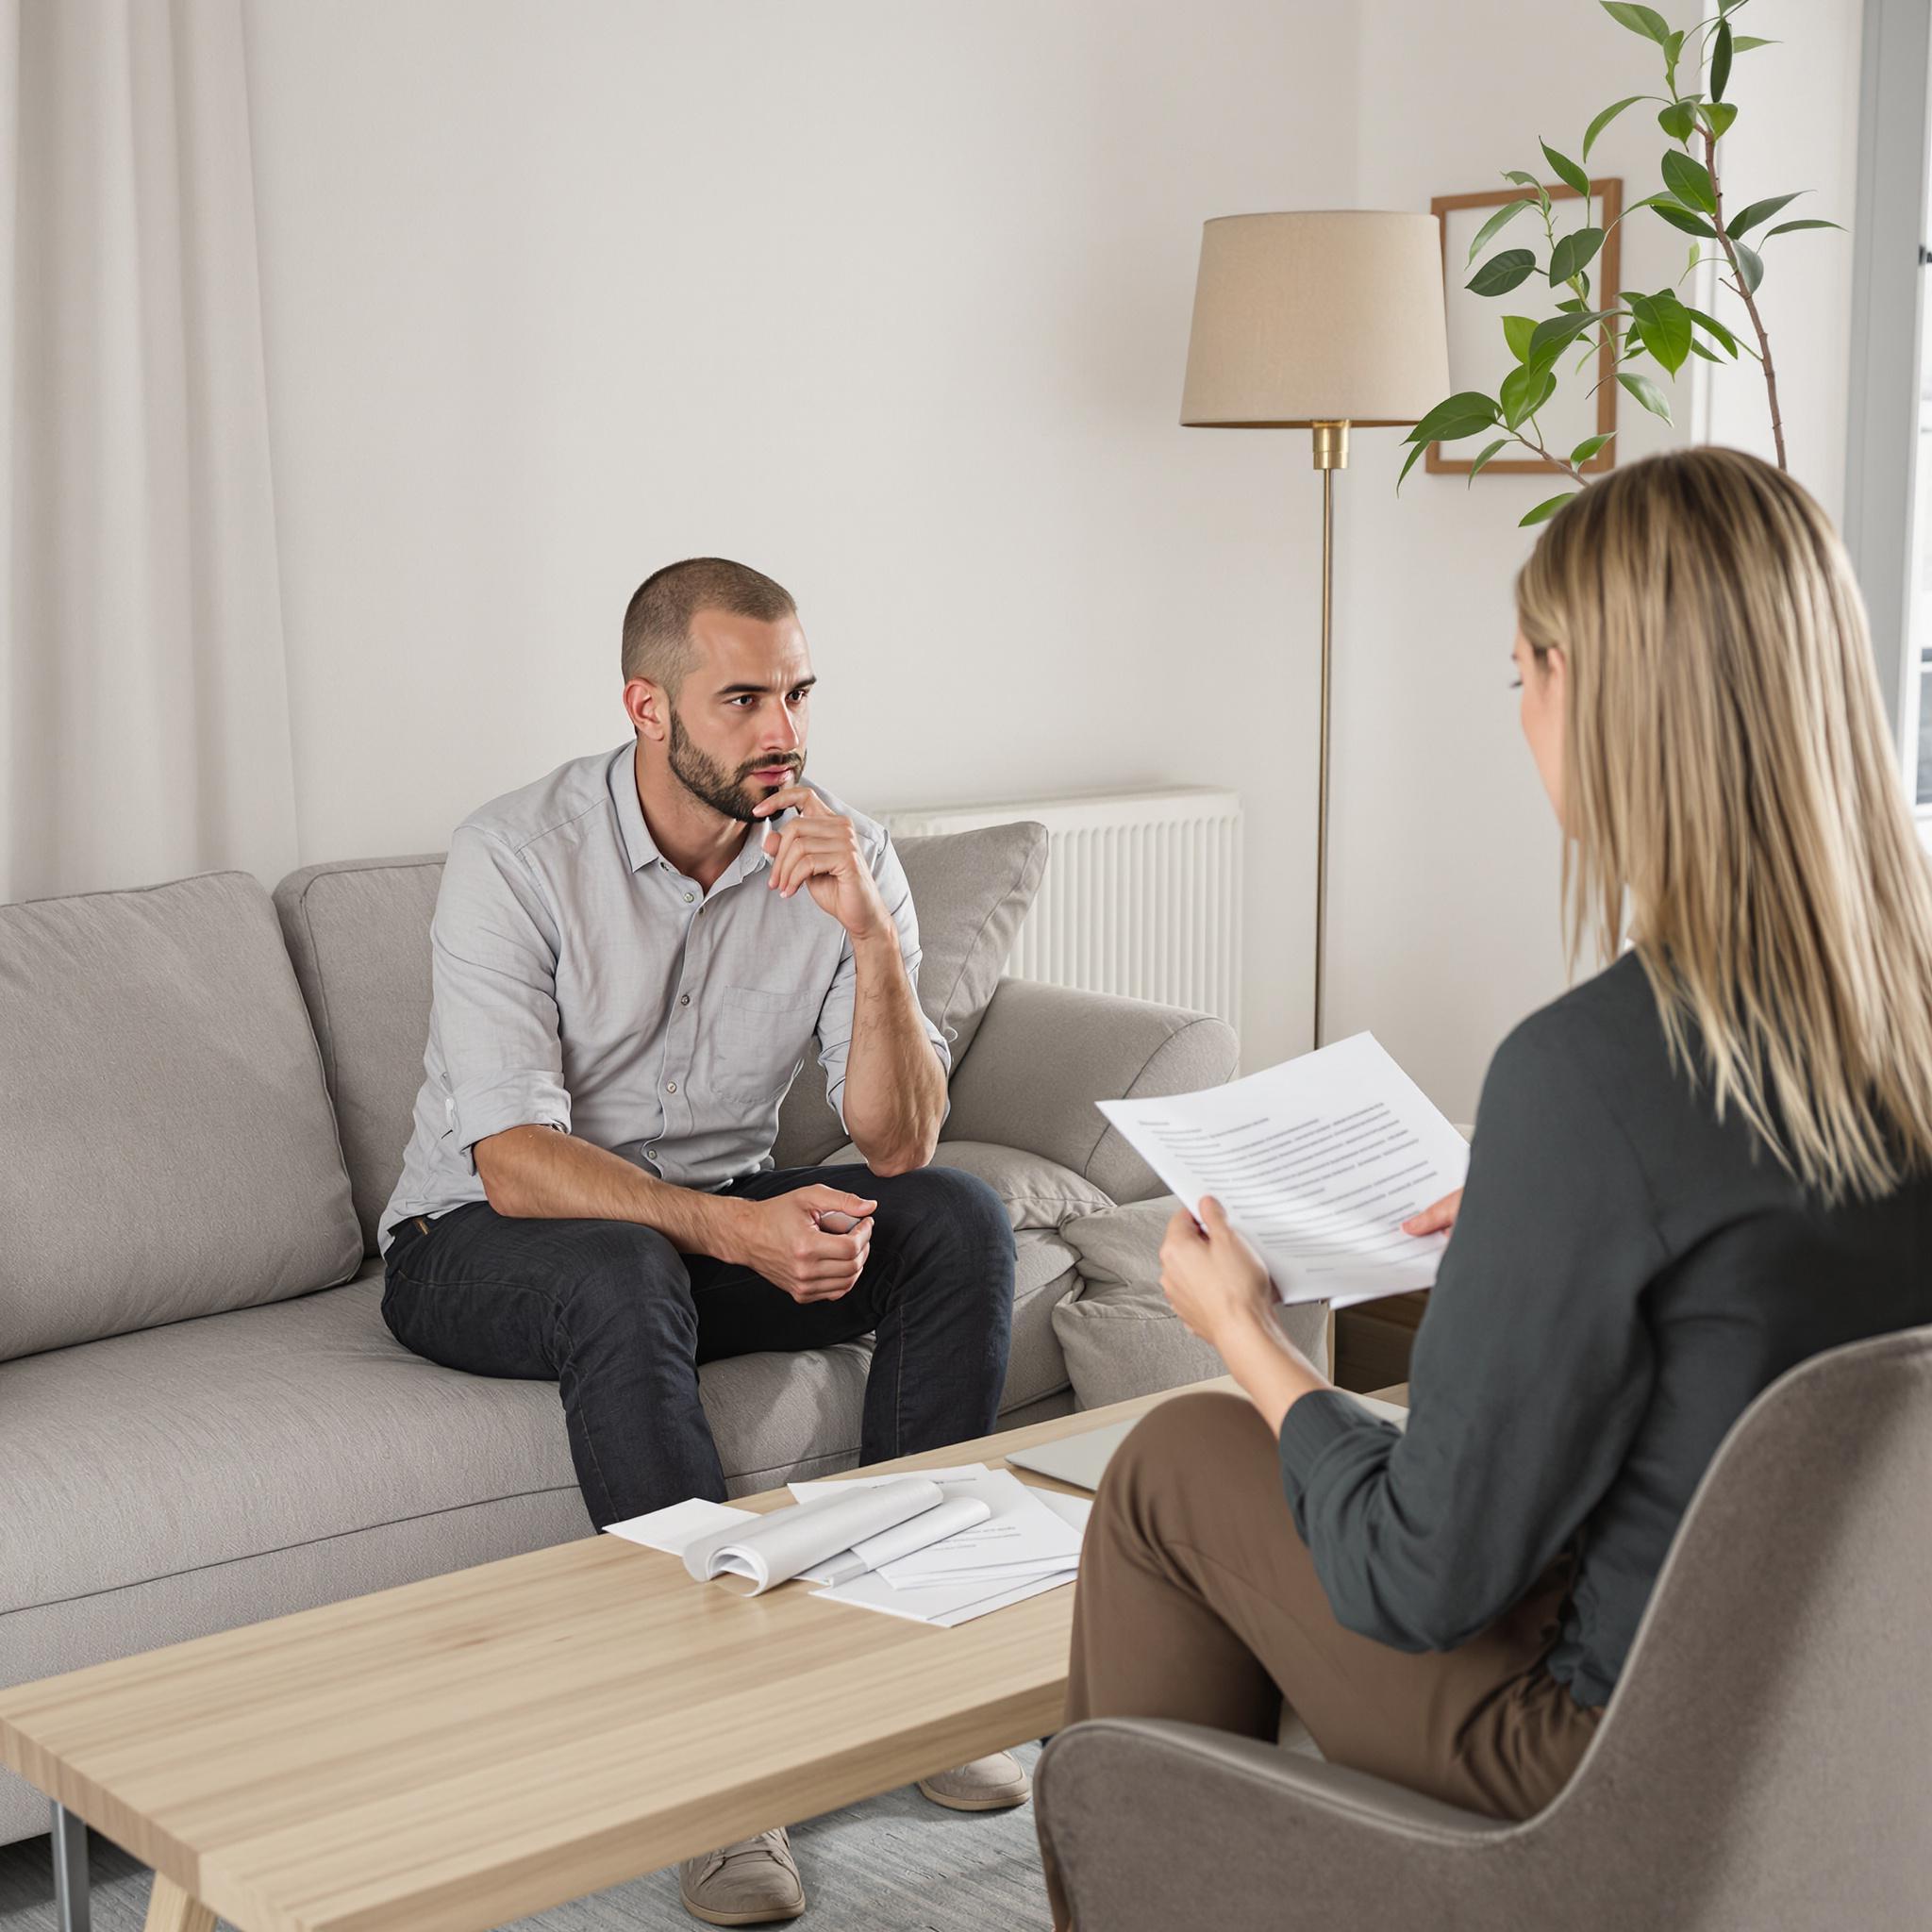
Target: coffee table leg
<point>70,1869</point>
<point>170,1909</point>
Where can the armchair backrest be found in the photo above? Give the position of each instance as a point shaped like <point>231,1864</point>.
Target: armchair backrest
<point>1766,1760</point>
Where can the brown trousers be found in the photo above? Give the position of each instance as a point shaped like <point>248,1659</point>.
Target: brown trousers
<point>1198,1599</point>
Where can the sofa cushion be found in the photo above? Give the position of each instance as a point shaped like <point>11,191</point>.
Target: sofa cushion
<point>1118,1335</point>
<point>359,933</point>
<point>214,1440</point>
<point>166,1145</point>
<point>971,891</point>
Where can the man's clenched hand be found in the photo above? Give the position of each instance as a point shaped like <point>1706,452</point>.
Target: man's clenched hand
<point>782,1240</point>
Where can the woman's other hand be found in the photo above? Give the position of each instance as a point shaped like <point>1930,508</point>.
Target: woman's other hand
<point>1439,1217</point>
<point>1213,1280</point>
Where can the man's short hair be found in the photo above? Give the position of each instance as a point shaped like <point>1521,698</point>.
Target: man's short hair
<point>657,622</point>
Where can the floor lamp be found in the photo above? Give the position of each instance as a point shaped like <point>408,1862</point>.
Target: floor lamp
<point>1324,321</point>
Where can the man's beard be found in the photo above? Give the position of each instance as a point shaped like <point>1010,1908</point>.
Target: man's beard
<point>705,778</point>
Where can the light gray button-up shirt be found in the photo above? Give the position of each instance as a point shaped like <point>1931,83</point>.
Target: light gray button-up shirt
<point>582,981</point>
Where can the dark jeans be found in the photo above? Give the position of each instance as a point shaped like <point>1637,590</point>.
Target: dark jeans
<point>619,1319</point>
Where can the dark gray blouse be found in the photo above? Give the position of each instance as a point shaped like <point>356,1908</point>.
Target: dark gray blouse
<point>1625,1275</point>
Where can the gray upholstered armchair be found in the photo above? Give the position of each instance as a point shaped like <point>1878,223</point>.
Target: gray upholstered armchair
<point>1765,1764</point>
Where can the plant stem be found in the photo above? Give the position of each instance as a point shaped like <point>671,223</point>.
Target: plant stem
<point>1555,462</point>
<point>1777,426</point>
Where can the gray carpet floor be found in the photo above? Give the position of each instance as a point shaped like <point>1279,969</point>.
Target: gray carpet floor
<point>894,1863</point>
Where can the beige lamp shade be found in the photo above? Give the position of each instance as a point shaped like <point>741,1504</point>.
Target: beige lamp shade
<point>1330,316</point>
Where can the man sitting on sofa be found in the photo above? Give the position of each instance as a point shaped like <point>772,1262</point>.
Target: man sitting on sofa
<point>630,958</point>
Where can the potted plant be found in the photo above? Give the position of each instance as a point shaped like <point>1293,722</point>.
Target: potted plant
<point>1657,326</point>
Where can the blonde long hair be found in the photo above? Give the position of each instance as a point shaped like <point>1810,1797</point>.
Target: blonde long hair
<point>1733,805</point>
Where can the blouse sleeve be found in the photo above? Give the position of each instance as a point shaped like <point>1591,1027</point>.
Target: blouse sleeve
<point>1532,1371</point>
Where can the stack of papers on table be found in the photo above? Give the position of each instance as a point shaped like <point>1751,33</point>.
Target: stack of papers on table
<point>1027,1541</point>
<point>941,1547</point>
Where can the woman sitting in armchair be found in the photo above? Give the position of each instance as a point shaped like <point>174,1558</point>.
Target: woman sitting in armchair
<point>1690,1172</point>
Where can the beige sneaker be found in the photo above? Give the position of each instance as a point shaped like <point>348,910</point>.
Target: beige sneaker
<point>987,1784</point>
<point>750,1883</point>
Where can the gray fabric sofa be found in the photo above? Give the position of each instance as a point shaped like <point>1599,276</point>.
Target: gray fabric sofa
<point>204,1421</point>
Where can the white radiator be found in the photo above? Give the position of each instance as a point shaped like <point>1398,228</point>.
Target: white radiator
<point>1142,894</point>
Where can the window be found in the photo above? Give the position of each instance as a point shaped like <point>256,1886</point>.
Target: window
<point>1919,616</point>
<point>1887,521</point>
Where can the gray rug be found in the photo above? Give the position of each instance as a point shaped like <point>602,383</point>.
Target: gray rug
<point>893,1864</point>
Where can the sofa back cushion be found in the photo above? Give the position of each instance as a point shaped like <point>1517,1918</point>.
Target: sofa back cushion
<point>359,933</point>
<point>166,1144</point>
<point>971,891</point>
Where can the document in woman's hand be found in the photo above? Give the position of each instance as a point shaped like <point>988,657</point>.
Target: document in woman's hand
<point>1316,1162</point>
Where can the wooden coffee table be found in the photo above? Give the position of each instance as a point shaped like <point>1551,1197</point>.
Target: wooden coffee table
<point>460,1752</point>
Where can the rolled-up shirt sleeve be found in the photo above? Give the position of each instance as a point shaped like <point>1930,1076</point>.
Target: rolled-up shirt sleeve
<point>835,1015</point>
<point>1531,1372</point>
<point>494,952</point>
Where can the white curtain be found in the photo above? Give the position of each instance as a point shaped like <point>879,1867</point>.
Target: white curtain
<point>144,695</point>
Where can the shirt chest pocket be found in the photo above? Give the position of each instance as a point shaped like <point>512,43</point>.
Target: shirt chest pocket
<point>758,1036</point>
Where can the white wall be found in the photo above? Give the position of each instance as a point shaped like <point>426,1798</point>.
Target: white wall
<point>1797,128</point>
<point>889,301</point>
<point>1446,861</point>
<point>893,302</point>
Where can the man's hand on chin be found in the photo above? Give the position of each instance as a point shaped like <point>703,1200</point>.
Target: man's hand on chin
<point>819,850</point>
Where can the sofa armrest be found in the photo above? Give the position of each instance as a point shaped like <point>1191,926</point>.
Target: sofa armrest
<point>1152,1824</point>
<point>1044,1054</point>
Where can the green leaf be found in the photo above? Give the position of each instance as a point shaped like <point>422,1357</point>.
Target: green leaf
<point>1646,392</point>
<point>1530,182</point>
<point>1646,21</point>
<point>1567,169</point>
<point>1811,221</point>
<point>1750,266</point>
<point>1664,324</point>
<point>1718,118</point>
<point>1713,327</point>
<point>1747,219</point>
<point>1546,508</point>
<point>1675,212</point>
<point>1409,465</point>
<point>1462,414</point>
<point>1721,61</point>
<point>1590,445</point>
<point>1517,330</point>
<point>1745,42</point>
<point>1697,348</point>
<point>1552,337</point>
<point>1604,119</point>
<point>1677,120</point>
<point>1507,213</point>
<point>1501,272</point>
<point>1475,469</point>
<point>1523,393</point>
<point>1573,252</point>
<point>1690,181</point>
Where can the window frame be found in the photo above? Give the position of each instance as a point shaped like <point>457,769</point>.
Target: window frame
<point>1886,391</point>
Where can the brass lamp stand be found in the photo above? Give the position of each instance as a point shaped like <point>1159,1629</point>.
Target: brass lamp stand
<point>1331,454</point>
<point>1322,321</point>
